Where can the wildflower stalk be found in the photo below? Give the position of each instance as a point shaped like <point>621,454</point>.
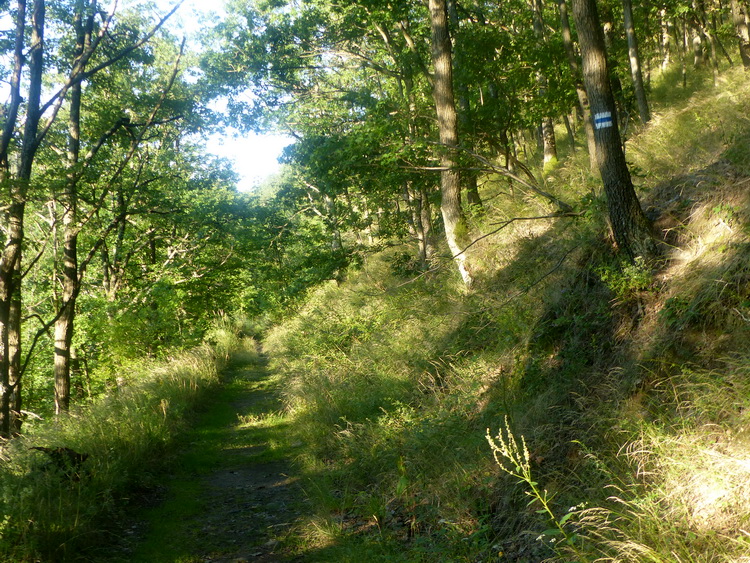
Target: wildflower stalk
<point>515,460</point>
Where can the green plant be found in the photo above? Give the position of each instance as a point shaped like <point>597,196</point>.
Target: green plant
<point>624,278</point>
<point>515,460</point>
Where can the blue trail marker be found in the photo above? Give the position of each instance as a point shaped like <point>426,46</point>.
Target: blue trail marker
<point>603,120</point>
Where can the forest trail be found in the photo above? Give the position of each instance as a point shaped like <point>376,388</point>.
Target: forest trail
<point>233,495</point>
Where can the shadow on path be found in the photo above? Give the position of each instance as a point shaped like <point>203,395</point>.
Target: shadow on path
<point>233,495</point>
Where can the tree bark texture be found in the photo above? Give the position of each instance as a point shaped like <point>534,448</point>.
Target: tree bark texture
<point>575,67</point>
<point>635,63</point>
<point>445,107</point>
<point>549,143</point>
<point>666,42</point>
<point>630,227</point>
<point>17,186</point>
<point>69,201</point>
<point>739,17</point>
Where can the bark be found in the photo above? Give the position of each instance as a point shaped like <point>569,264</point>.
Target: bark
<point>445,107</point>
<point>666,42</point>
<point>468,177</point>
<point>549,142</point>
<point>684,52</point>
<point>420,223</point>
<point>635,63</point>
<point>697,42</point>
<point>571,135</point>
<point>703,31</point>
<point>739,17</point>
<point>630,227</point>
<point>68,200</point>
<point>9,389</point>
<point>575,67</point>
<point>10,260</point>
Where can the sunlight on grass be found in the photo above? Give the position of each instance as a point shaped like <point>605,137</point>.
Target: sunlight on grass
<point>128,437</point>
<point>623,379</point>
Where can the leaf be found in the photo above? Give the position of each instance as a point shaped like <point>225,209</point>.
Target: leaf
<point>403,484</point>
<point>565,518</point>
<point>552,532</point>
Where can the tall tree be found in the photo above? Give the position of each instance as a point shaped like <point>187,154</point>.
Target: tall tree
<point>630,227</point>
<point>17,183</point>
<point>575,67</point>
<point>635,63</point>
<point>548,128</point>
<point>445,107</point>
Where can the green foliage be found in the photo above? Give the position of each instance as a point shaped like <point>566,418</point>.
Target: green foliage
<point>49,514</point>
<point>625,278</point>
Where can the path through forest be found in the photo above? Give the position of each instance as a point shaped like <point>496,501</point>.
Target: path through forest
<point>233,495</point>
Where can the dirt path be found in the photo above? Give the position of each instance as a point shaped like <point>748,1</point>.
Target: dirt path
<point>234,495</point>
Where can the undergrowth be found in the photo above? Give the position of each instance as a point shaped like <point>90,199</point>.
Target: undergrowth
<point>52,511</point>
<point>626,384</point>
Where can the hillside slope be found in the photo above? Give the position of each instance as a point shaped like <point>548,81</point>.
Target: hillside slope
<point>617,394</point>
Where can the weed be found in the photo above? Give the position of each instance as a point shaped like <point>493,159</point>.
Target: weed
<point>625,278</point>
<point>515,460</point>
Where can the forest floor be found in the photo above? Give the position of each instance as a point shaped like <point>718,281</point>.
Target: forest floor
<point>233,495</point>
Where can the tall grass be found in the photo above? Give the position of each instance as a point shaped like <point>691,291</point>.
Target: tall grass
<point>53,513</point>
<point>627,383</point>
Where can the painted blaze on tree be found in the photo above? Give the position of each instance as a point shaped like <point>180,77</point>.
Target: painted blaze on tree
<point>630,226</point>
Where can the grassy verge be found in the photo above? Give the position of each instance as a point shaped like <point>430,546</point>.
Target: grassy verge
<point>619,390</point>
<point>56,511</point>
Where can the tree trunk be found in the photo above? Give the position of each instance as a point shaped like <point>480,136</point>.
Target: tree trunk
<point>445,107</point>
<point>69,200</point>
<point>571,134</point>
<point>666,42</point>
<point>698,56</point>
<point>635,63</point>
<point>10,260</point>
<point>419,220</point>
<point>549,142</point>
<point>468,177</point>
<point>739,17</point>
<point>575,68</point>
<point>630,227</point>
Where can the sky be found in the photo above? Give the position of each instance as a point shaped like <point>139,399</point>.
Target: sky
<point>254,156</point>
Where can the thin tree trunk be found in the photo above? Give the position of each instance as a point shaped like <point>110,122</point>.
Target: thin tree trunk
<point>69,200</point>
<point>445,107</point>
<point>635,63</point>
<point>10,387</point>
<point>571,135</point>
<point>630,227</point>
<point>575,67</point>
<point>549,143</point>
<point>10,260</point>
<point>666,43</point>
<point>739,17</point>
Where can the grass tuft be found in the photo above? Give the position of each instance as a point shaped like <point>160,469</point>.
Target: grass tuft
<point>51,514</point>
